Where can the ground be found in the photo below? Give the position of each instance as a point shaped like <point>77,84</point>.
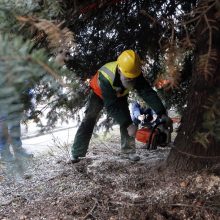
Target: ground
<point>103,186</point>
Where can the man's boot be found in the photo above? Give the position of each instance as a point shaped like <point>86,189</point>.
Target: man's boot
<point>20,152</point>
<point>75,159</point>
<point>132,156</point>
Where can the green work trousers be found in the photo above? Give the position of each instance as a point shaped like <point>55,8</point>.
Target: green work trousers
<point>85,130</point>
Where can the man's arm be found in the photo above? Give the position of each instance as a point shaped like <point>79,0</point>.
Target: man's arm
<point>152,99</point>
<point>150,96</point>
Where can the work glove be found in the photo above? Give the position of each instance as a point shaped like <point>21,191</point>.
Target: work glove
<point>168,122</point>
<point>132,129</point>
<point>149,117</point>
<point>141,117</point>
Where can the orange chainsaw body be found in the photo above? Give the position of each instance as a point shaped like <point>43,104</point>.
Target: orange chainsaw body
<point>143,135</point>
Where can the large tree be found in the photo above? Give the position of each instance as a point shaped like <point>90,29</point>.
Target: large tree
<point>197,143</point>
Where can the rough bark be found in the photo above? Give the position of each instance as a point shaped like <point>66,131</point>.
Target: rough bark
<point>188,154</point>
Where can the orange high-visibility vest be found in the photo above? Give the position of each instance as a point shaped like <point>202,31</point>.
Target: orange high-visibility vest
<point>108,71</point>
<point>94,84</point>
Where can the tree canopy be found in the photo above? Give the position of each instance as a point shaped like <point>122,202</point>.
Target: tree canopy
<point>84,35</point>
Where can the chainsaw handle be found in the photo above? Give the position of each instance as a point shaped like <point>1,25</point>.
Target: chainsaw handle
<point>153,129</point>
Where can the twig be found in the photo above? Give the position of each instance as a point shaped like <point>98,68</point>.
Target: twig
<point>210,45</point>
<point>197,156</point>
<point>7,203</point>
<point>42,64</point>
<point>49,103</point>
<point>91,210</point>
<point>186,205</point>
<point>143,12</point>
<point>204,207</point>
<point>51,72</point>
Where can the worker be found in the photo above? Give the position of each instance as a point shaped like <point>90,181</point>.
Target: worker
<point>10,133</point>
<point>10,129</point>
<point>110,87</point>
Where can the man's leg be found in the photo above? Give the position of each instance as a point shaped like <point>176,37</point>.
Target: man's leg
<point>85,130</point>
<point>5,153</point>
<point>127,143</point>
<point>14,130</point>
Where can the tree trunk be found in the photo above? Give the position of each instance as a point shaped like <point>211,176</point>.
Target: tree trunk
<point>188,154</point>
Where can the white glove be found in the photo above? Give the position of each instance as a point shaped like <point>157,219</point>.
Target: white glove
<point>132,129</point>
<point>141,117</point>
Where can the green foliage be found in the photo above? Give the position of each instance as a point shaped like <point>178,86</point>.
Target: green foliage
<point>27,73</point>
<point>17,70</point>
<point>23,74</point>
<point>202,138</point>
<point>211,121</point>
<point>211,117</point>
<point>10,9</point>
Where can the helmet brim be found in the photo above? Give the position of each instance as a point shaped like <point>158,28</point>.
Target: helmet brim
<point>130,74</point>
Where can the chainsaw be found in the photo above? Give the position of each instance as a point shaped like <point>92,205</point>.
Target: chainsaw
<point>157,135</point>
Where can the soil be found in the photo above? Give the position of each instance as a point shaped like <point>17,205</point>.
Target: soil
<point>103,186</point>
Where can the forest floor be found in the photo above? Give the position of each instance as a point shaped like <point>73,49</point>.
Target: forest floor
<point>103,186</point>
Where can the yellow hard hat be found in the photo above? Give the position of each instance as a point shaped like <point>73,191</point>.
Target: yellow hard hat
<point>129,64</point>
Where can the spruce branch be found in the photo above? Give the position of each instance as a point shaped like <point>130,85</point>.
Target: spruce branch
<point>206,63</point>
<point>210,121</point>
<point>202,138</point>
<point>50,71</point>
<point>44,65</point>
<point>207,69</point>
<point>174,49</point>
<point>58,38</point>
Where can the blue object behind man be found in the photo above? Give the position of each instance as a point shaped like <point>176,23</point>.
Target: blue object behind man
<point>141,115</point>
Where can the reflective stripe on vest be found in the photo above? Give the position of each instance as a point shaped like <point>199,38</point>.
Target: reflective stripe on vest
<point>108,71</point>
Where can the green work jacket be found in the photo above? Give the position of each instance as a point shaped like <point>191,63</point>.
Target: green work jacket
<point>114,93</point>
